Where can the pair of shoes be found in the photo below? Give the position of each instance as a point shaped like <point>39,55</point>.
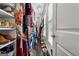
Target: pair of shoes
<point>3,40</point>
<point>8,37</point>
<point>8,9</point>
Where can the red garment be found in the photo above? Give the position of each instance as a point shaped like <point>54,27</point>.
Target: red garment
<point>25,48</point>
<point>30,9</point>
<point>31,22</point>
<point>19,50</point>
<point>22,4</point>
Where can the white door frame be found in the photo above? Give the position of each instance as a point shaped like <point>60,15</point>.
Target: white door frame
<point>54,28</point>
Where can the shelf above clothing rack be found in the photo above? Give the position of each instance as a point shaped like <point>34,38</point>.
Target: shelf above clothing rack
<point>5,14</point>
<point>3,45</point>
<point>9,4</point>
<point>7,28</point>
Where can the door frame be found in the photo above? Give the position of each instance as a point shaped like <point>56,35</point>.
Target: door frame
<point>54,28</point>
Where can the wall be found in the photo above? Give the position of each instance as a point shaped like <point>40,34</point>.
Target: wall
<point>67,35</point>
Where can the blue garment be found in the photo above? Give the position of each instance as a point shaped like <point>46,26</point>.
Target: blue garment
<point>29,42</point>
<point>33,40</point>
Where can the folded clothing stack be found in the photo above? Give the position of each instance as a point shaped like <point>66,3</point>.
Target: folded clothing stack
<point>3,40</point>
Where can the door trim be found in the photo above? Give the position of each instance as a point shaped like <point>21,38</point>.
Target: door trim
<point>65,50</point>
<point>54,28</point>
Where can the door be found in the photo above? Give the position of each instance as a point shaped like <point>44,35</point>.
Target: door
<point>66,29</point>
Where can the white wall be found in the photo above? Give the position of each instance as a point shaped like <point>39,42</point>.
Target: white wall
<point>68,22</point>
<point>50,23</point>
<point>68,15</point>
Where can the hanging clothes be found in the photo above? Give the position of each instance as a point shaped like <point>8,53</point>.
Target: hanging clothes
<point>34,38</point>
<point>21,41</point>
<point>25,46</point>
<point>31,22</point>
<point>27,9</point>
<point>27,24</point>
<point>41,28</point>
